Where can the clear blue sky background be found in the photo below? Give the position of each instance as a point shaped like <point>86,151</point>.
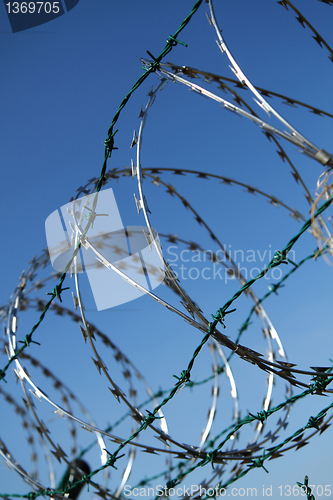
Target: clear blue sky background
<point>61,84</point>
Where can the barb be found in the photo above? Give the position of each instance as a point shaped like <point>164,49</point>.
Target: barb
<point>307,146</point>
<point>214,78</point>
<point>303,21</point>
<point>209,452</point>
<point>277,259</point>
<point>109,147</point>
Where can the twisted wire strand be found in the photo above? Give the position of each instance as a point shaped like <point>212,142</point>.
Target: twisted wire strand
<point>109,147</point>
<point>269,131</point>
<point>210,77</point>
<point>320,375</point>
<point>299,443</point>
<point>141,192</point>
<point>190,303</point>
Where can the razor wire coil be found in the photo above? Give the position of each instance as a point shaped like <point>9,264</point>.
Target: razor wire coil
<point>255,455</point>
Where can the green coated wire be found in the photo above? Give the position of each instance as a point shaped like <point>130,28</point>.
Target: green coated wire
<point>109,147</point>
<point>260,416</point>
<point>320,380</point>
<point>320,383</point>
<point>280,257</point>
<point>316,253</point>
<point>313,422</point>
<point>305,487</point>
<point>185,374</point>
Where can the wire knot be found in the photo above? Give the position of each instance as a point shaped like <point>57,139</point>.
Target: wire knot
<point>313,422</point>
<point>273,288</point>
<point>261,416</point>
<point>171,484</point>
<point>85,478</point>
<point>319,384</point>
<point>306,489</point>
<point>219,317</point>
<point>153,66</point>
<point>280,257</point>
<point>184,378</point>
<point>173,41</point>
<point>109,143</point>
<point>2,375</point>
<point>210,456</point>
<point>259,462</point>
<point>111,461</point>
<point>92,216</point>
<point>57,291</point>
<point>32,495</point>
<point>149,419</point>
<point>27,340</point>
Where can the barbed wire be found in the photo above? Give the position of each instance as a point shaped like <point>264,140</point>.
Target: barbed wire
<point>304,22</point>
<point>254,455</point>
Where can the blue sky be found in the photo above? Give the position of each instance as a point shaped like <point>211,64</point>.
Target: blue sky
<point>62,82</point>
